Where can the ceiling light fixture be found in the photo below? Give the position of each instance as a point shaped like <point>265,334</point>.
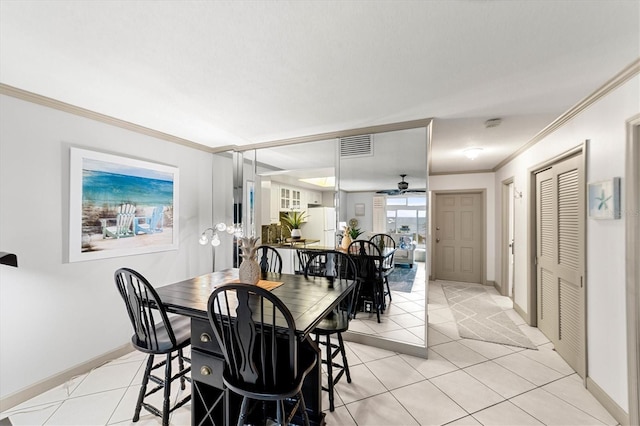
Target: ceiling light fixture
<point>211,234</point>
<point>472,153</point>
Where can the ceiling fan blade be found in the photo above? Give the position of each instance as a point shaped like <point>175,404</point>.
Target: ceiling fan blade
<point>388,191</point>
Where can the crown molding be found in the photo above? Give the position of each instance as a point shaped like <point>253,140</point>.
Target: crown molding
<point>25,95</point>
<point>82,112</point>
<point>381,128</point>
<point>468,172</point>
<point>616,81</point>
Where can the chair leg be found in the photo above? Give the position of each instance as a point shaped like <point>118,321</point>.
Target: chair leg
<point>303,407</point>
<point>356,300</point>
<point>330,372</point>
<point>143,388</point>
<point>280,413</point>
<point>376,301</point>
<point>386,281</point>
<point>167,391</point>
<point>243,411</point>
<point>183,386</point>
<point>345,364</point>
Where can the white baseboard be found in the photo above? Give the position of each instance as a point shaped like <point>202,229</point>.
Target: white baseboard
<point>9,401</point>
<point>609,404</point>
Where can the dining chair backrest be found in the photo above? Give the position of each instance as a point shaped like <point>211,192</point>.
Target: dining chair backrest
<point>367,257</point>
<point>146,312</point>
<point>383,241</point>
<point>303,258</point>
<point>364,248</point>
<point>337,267</point>
<point>256,332</point>
<point>331,263</point>
<point>269,259</point>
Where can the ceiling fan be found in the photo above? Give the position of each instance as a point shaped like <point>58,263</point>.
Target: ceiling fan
<point>403,187</point>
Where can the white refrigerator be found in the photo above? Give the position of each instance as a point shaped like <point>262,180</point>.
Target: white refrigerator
<point>321,225</point>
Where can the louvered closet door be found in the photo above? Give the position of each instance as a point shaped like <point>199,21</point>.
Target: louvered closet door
<point>560,259</point>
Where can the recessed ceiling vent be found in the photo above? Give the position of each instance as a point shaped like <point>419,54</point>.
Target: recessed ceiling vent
<point>356,146</point>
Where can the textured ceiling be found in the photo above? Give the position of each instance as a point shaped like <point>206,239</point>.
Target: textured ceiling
<point>224,73</point>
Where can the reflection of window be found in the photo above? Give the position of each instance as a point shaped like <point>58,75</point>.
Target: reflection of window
<point>391,220</point>
<point>396,201</point>
<point>407,215</point>
<point>417,201</point>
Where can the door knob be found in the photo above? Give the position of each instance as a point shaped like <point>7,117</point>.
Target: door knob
<point>437,240</point>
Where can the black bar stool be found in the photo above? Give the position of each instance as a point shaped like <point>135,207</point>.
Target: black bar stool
<point>336,266</point>
<point>167,337</point>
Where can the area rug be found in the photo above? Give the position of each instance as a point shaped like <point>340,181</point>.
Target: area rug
<point>480,318</point>
<point>401,279</point>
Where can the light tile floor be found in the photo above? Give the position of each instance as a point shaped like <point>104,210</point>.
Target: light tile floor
<point>403,320</point>
<point>464,382</point>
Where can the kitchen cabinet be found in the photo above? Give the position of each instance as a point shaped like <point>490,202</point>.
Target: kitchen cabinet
<point>290,199</point>
<point>296,199</point>
<point>314,197</point>
<point>283,198</point>
<point>274,203</point>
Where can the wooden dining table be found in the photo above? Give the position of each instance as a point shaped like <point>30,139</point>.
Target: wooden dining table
<point>309,299</point>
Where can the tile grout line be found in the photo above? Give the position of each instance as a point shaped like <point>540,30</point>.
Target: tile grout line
<point>142,363</point>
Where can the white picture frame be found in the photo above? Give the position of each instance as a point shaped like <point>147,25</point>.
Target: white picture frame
<point>603,199</point>
<point>120,206</point>
<point>250,209</point>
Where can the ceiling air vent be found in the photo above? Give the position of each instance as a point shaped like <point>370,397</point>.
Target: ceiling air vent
<point>356,146</point>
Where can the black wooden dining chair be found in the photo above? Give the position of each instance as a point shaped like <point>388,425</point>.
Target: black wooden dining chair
<point>337,267</point>
<point>303,258</point>
<point>385,241</point>
<point>269,259</point>
<point>264,360</point>
<point>155,334</point>
<point>368,261</point>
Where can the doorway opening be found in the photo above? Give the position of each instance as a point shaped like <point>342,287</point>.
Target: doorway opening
<point>509,196</point>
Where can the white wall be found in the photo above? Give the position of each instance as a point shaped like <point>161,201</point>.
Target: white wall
<point>604,125</point>
<point>55,315</point>
<point>475,181</point>
<point>365,223</point>
<point>223,209</point>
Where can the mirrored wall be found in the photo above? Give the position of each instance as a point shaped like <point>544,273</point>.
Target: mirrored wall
<point>373,183</point>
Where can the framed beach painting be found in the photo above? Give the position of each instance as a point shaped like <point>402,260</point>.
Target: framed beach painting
<point>250,209</point>
<point>120,206</point>
<point>604,199</point>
